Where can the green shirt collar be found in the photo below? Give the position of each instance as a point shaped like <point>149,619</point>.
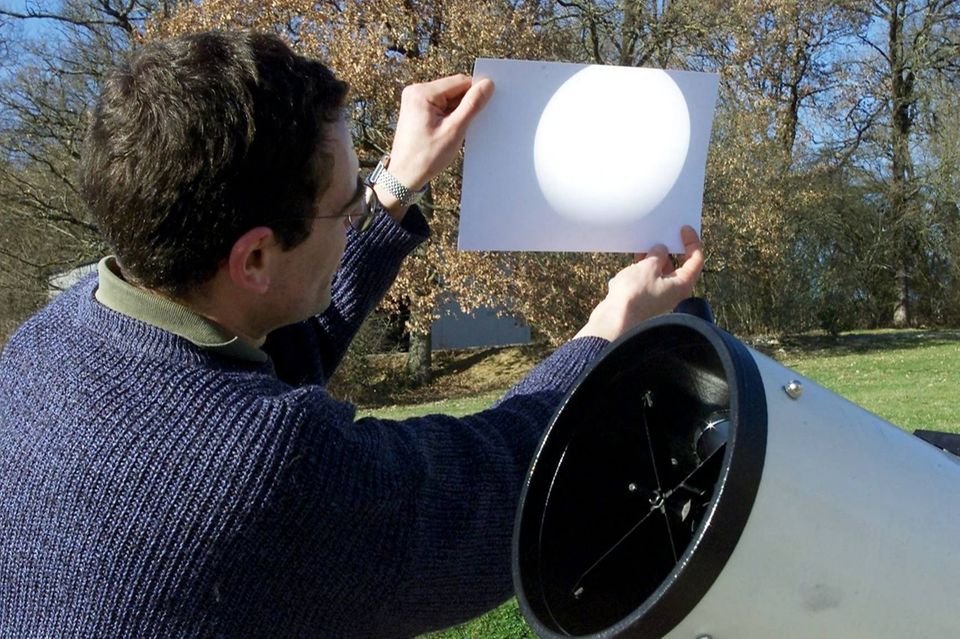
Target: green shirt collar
<point>116,293</point>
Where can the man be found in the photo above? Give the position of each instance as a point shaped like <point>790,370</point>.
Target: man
<point>170,463</point>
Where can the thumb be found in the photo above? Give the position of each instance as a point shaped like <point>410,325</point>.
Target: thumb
<point>694,260</point>
<point>470,105</point>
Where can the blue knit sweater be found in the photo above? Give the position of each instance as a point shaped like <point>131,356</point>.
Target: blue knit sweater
<point>150,488</point>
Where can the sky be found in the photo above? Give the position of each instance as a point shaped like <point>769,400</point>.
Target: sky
<point>34,28</point>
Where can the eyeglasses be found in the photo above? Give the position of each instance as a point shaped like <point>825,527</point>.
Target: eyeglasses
<point>361,209</point>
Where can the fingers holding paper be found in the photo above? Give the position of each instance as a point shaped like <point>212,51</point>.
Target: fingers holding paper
<point>431,126</point>
<point>648,287</point>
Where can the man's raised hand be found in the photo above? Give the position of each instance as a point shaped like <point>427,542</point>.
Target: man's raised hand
<point>649,287</point>
<point>432,123</point>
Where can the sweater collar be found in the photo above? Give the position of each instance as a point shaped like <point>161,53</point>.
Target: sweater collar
<point>116,293</point>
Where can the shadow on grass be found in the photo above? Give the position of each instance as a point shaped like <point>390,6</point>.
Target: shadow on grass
<point>379,381</point>
<point>459,365</point>
<point>855,343</point>
<point>452,362</point>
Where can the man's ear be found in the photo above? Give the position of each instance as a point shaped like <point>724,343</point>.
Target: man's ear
<point>248,264</point>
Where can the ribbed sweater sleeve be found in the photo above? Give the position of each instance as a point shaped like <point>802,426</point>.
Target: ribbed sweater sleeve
<point>458,494</point>
<point>379,528</point>
<point>309,352</point>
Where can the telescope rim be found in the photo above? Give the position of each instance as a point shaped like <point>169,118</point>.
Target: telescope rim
<point>717,534</point>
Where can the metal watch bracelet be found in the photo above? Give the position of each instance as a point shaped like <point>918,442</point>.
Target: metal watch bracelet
<point>380,175</point>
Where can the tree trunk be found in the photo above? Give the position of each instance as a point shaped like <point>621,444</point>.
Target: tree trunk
<point>419,358</point>
<point>901,310</point>
<point>902,99</point>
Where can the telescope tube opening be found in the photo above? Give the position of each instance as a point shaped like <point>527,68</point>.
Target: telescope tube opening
<point>642,483</point>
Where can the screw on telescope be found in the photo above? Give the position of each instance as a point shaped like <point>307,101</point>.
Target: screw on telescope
<point>794,389</point>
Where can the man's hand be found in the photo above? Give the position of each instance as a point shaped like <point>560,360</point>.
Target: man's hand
<point>649,287</point>
<point>433,121</point>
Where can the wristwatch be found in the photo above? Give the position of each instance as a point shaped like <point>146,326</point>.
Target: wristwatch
<point>381,175</point>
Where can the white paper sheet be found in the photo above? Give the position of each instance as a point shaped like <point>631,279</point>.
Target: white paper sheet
<point>573,157</point>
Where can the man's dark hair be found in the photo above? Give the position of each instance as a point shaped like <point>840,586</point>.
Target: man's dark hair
<point>198,139</point>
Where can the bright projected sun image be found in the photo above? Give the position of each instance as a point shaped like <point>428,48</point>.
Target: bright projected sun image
<point>590,165</point>
<point>577,157</point>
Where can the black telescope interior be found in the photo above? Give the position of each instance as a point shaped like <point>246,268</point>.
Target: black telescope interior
<point>642,484</point>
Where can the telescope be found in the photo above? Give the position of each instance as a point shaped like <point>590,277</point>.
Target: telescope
<point>689,487</point>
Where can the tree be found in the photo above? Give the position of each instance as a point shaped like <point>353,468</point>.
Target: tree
<point>939,127</point>
<point>57,56</point>
<point>648,33</point>
<point>919,42</point>
<point>780,71</point>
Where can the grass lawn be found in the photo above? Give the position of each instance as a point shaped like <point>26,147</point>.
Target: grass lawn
<point>457,407</point>
<point>907,377</point>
